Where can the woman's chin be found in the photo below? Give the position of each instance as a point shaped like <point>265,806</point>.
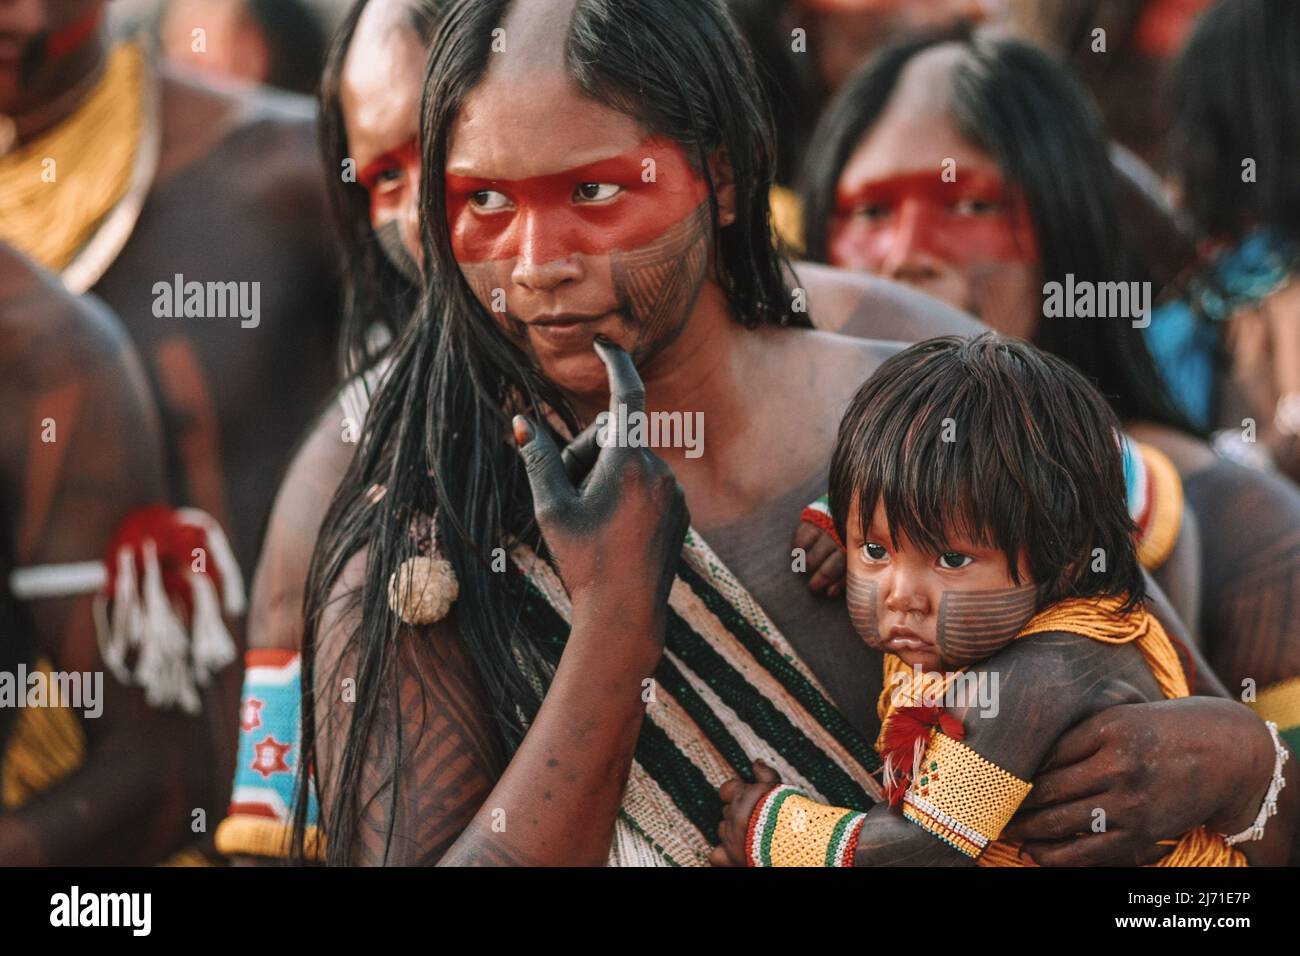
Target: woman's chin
<point>577,373</point>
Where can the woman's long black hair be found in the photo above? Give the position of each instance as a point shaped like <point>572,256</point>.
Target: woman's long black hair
<point>1235,95</point>
<point>437,436</point>
<point>375,295</point>
<point>1012,100</point>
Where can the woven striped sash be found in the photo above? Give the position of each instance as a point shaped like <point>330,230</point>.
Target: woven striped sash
<point>728,690</point>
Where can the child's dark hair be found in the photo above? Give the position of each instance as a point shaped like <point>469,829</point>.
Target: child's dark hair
<point>1001,443</point>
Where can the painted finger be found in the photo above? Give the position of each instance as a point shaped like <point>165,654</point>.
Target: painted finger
<point>625,385</point>
<point>580,454</point>
<point>546,474</point>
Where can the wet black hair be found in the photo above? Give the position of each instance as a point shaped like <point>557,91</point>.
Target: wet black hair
<point>1235,95</point>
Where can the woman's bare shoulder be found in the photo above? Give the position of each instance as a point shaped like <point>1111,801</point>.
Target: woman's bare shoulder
<point>304,497</point>
<point>869,307</point>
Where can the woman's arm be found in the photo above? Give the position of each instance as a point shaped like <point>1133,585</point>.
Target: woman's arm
<point>615,539</point>
<point>1164,768</point>
<point>1028,694</point>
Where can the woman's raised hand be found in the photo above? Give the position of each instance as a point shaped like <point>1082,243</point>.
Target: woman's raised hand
<point>616,533</point>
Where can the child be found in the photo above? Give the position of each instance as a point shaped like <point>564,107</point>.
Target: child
<point>978,486</point>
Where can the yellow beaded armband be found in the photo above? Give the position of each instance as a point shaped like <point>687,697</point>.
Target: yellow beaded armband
<point>962,798</point>
<point>788,829</point>
<point>247,835</point>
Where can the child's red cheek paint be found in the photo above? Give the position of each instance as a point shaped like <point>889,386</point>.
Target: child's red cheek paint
<point>544,221</point>
<point>972,220</point>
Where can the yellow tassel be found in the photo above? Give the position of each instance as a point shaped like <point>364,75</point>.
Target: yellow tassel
<point>47,744</point>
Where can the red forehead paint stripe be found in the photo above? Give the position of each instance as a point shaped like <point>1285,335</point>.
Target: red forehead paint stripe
<point>402,156</point>
<point>920,210</point>
<point>543,222</point>
<point>63,41</point>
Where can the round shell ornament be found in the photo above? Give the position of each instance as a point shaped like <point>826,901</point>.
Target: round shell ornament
<point>423,589</point>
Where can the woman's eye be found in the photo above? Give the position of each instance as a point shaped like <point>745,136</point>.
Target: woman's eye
<point>873,552</point>
<point>489,200</point>
<point>384,181</point>
<point>974,207</point>
<point>596,192</point>
<point>952,560</point>
<point>871,212</point>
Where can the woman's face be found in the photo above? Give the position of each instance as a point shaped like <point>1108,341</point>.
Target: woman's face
<point>569,221</point>
<point>380,96</point>
<point>918,203</point>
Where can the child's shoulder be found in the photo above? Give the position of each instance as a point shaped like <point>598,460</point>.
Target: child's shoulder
<point>1063,670</point>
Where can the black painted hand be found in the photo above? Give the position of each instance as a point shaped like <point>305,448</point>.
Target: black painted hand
<point>1157,770</point>
<point>615,533</point>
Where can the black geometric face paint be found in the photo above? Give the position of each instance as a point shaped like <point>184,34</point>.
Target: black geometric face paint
<point>860,596</point>
<point>974,625</point>
<point>656,284</point>
<point>389,237</point>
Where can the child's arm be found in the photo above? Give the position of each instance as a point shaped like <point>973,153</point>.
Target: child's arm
<point>1022,699</point>
<point>823,554</point>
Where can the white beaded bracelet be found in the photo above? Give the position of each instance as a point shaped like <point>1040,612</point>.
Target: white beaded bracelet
<point>1256,830</point>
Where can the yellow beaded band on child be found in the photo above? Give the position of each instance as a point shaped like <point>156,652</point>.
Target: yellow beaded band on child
<point>788,829</point>
<point>962,798</point>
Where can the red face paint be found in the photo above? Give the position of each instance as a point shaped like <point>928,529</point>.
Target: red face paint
<point>384,169</point>
<point>962,223</point>
<point>547,218</point>
<point>1165,25</point>
<point>71,37</point>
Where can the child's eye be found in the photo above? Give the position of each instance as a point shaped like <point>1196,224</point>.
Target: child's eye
<point>596,192</point>
<point>952,560</point>
<point>489,200</point>
<point>873,552</point>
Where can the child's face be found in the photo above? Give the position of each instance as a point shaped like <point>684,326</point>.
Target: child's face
<point>934,610</point>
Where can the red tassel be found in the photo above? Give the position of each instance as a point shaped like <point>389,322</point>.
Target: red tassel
<point>176,543</point>
<point>906,733</point>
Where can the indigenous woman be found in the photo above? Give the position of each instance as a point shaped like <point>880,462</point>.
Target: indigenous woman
<point>527,658</point>
<point>370,97</point>
<point>1015,217</point>
<point>369,115</point>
